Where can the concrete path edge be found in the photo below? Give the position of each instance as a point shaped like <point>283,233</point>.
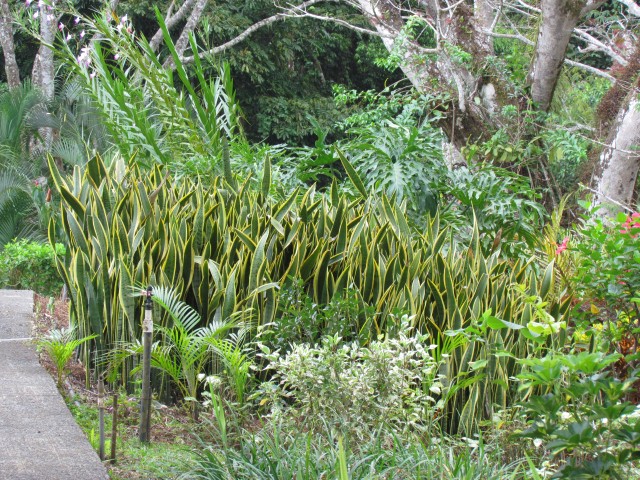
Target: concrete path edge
<point>39,438</point>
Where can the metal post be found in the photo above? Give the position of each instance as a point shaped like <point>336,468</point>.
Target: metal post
<point>145,400</point>
<point>101,415</point>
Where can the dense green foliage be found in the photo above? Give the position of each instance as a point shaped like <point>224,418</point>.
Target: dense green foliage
<point>184,349</point>
<point>230,250</point>
<point>31,266</point>
<point>356,390</point>
<point>275,452</point>
<point>284,74</point>
<point>351,304</point>
<point>23,189</point>
<point>148,113</point>
<point>608,270</point>
<point>581,410</point>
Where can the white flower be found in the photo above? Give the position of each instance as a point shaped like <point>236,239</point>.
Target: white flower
<point>537,442</point>
<point>200,377</point>
<point>565,415</point>
<point>84,59</point>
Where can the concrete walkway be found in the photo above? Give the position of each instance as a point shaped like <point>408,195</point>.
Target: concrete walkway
<point>39,439</point>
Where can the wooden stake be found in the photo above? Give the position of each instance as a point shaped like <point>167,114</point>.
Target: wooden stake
<point>145,399</point>
<point>101,415</point>
<point>114,428</point>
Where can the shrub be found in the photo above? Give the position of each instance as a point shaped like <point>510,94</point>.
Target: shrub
<point>31,266</point>
<point>354,389</point>
<point>301,320</point>
<point>607,276</point>
<point>580,414</point>
<point>185,349</point>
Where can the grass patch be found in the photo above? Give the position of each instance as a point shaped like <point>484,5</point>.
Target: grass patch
<point>168,455</point>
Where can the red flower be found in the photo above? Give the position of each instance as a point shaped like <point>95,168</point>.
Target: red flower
<point>563,246</point>
<point>627,225</point>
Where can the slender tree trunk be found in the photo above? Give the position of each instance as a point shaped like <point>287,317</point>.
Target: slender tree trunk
<point>45,65</point>
<point>43,73</point>
<point>8,49</point>
<point>619,163</point>
<point>556,26</point>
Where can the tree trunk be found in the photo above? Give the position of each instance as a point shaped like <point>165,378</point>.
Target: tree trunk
<point>8,49</point>
<point>559,18</point>
<point>474,113</point>
<point>619,162</point>
<point>45,73</point>
<point>485,14</point>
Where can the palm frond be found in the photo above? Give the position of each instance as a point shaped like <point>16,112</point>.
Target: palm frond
<point>16,106</point>
<point>181,313</point>
<point>71,152</point>
<point>17,210</point>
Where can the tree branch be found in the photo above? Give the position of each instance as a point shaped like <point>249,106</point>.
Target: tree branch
<point>528,7</point>
<point>171,21</point>
<point>633,7</point>
<point>192,22</point>
<point>590,69</point>
<point>591,5</point>
<point>598,45</point>
<point>581,66</point>
<point>607,198</point>
<point>256,26</point>
<point>513,36</point>
<point>338,21</point>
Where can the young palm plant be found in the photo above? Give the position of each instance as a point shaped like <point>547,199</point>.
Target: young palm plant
<point>183,350</point>
<point>60,344</point>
